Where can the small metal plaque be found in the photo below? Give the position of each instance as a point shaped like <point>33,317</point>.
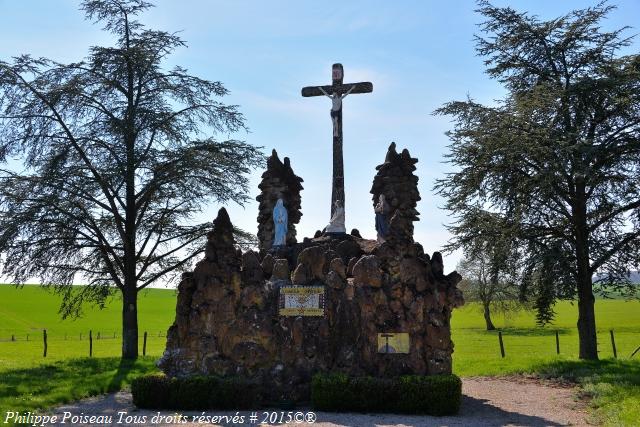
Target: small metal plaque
<point>393,342</point>
<point>301,301</point>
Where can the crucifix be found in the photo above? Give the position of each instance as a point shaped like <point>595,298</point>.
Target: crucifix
<point>387,336</point>
<point>337,92</point>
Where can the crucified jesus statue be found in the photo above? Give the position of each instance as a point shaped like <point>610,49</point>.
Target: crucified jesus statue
<point>336,106</point>
<point>336,92</point>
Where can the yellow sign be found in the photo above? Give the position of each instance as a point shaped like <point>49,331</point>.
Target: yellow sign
<point>393,342</point>
<point>301,301</point>
<point>302,311</point>
<point>301,290</point>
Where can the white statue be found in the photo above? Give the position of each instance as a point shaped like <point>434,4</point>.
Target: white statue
<point>336,223</point>
<point>336,106</point>
<point>280,221</point>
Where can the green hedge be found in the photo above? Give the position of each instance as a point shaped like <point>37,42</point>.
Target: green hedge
<point>433,395</point>
<point>158,391</point>
<point>414,394</point>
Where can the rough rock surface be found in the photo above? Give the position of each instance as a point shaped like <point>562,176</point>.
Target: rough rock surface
<point>366,272</point>
<point>227,320</point>
<point>278,181</point>
<point>395,179</point>
<point>280,270</point>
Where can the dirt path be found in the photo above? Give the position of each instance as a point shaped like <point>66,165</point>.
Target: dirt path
<point>507,401</point>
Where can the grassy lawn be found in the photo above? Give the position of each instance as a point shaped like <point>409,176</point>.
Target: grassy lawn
<point>46,385</point>
<point>613,384</point>
<point>30,309</point>
<point>477,351</point>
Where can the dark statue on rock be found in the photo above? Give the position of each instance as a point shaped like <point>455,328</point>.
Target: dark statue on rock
<point>382,220</point>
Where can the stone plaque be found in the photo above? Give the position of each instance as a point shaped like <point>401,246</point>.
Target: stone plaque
<point>393,342</point>
<point>301,301</point>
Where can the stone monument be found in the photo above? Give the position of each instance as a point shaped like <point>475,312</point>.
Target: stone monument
<point>326,304</point>
<point>332,303</point>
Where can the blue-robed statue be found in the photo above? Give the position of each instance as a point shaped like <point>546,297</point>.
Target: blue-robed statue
<point>280,221</point>
<point>382,222</point>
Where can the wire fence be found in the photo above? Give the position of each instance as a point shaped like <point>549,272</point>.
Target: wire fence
<point>37,335</point>
<point>67,343</point>
<point>513,343</point>
<point>498,344</point>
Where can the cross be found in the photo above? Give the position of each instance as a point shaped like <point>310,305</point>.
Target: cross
<point>387,336</point>
<point>337,92</point>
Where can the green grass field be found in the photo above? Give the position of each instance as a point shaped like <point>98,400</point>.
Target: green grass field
<point>30,309</point>
<point>614,385</point>
<point>477,351</point>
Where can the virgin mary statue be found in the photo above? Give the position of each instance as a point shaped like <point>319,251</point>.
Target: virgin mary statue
<point>280,221</point>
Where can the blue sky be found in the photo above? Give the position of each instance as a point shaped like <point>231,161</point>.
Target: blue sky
<point>418,54</point>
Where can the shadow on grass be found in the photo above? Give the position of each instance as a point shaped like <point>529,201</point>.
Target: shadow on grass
<point>609,370</point>
<point>532,332</point>
<point>127,370</point>
<point>68,380</point>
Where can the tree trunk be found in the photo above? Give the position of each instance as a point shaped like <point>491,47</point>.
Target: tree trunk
<point>487,317</point>
<point>130,289</point>
<point>587,319</point>
<point>129,323</point>
<point>586,301</point>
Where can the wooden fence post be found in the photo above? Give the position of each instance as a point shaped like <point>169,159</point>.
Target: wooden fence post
<point>13,337</point>
<point>98,337</point>
<point>44,337</point>
<point>613,344</point>
<point>501,343</point>
<point>144,344</point>
<point>90,344</point>
<point>557,343</point>
<point>27,337</point>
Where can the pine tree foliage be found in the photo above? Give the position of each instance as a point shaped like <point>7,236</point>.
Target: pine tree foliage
<point>116,156</point>
<point>559,157</point>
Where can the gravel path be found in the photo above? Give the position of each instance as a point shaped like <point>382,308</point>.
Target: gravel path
<point>505,401</point>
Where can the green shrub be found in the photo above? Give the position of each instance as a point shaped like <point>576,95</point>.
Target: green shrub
<point>433,395</point>
<point>151,391</point>
<point>331,392</point>
<point>199,392</point>
<point>236,393</point>
<point>191,393</point>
